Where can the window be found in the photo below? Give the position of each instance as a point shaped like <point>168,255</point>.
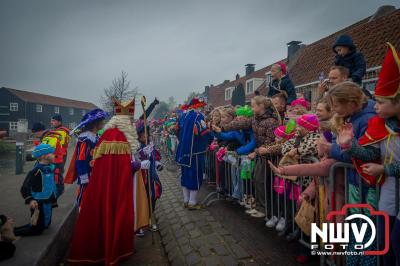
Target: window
<point>249,86</point>
<point>228,93</point>
<point>14,107</point>
<point>13,126</point>
<point>83,112</point>
<point>39,108</point>
<point>71,111</point>
<point>56,109</point>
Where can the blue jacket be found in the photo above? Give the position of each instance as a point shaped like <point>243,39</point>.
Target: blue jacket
<point>244,137</point>
<point>354,60</point>
<point>360,123</point>
<point>285,84</point>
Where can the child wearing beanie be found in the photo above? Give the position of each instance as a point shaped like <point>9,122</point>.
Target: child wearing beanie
<point>311,193</point>
<point>298,107</point>
<point>282,134</point>
<point>39,192</point>
<point>303,145</point>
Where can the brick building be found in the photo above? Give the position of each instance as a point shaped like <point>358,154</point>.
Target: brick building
<point>307,62</point>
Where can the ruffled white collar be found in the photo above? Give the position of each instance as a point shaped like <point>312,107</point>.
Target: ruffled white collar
<point>90,135</point>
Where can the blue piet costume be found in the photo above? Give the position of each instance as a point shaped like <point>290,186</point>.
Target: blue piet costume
<point>82,159</point>
<point>193,140</point>
<point>39,185</point>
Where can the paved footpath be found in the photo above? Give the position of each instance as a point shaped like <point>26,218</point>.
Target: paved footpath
<point>194,237</point>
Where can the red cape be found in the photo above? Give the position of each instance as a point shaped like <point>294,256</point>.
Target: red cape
<point>71,175</point>
<point>376,132</point>
<point>104,231</point>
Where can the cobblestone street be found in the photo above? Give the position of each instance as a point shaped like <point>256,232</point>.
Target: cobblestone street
<point>194,237</point>
<point>222,234</point>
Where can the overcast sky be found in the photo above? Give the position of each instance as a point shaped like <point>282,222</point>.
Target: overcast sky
<point>75,48</point>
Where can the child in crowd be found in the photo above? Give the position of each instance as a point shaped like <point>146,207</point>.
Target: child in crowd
<point>377,153</point>
<point>282,134</point>
<point>247,143</point>
<point>225,143</point>
<point>303,145</point>
<point>297,108</point>
<point>280,101</point>
<point>350,105</point>
<point>215,117</point>
<point>214,120</point>
<point>81,164</point>
<point>266,119</point>
<point>348,56</point>
<point>324,114</point>
<point>39,191</point>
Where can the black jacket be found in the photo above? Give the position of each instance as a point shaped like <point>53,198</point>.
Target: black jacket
<point>283,84</point>
<point>354,60</point>
<point>34,183</point>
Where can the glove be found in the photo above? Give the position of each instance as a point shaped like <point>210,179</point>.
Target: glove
<point>145,164</point>
<point>84,179</point>
<point>159,166</point>
<point>148,150</point>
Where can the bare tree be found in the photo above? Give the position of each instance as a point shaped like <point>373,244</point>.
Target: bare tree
<point>171,102</point>
<point>120,90</point>
<point>192,95</point>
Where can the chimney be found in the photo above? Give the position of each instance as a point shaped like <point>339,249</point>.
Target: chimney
<point>249,68</point>
<point>382,11</point>
<point>207,90</point>
<point>226,81</point>
<point>237,77</point>
<point>293,47</point>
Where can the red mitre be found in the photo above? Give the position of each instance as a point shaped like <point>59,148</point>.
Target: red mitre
<point>388,84</point>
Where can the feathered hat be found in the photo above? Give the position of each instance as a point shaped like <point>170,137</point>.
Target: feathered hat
<point>93,115</point>
<point>196,103</point>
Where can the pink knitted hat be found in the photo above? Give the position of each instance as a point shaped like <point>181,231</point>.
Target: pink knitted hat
<point>283,67</point>
<point>281,132</point>
<point>309,122</point>
<point>302,102</point>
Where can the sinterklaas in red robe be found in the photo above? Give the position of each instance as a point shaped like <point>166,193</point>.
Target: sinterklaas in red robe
<point>104,232</point>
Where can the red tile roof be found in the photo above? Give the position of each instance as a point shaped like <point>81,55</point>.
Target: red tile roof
<point>217,93</point>
<point>369,37</point>
<point>33,97</point>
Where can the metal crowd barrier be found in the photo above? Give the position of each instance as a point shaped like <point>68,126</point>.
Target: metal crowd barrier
<point>345,167</point>
<point>276,205</point>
